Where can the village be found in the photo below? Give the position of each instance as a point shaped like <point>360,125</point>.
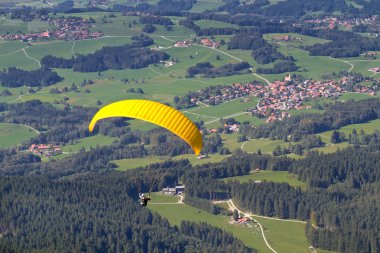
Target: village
<point>288,95</point>
<point>65,28</point>
<point>279,97</point>
<point>203,42</point>
<point>333,22</point>
<point>45,150</point>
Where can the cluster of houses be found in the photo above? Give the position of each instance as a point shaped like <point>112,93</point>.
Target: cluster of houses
<point>280,96</point>
<point>286,95</point>
<point>244,220</point>
<point>204,41</point>
<point>172,191</point>
<point>237,90</point>
<point>45,150</point>
<point>286,38</point>
<point>332,22</point>
<point>210,43</point>
<point>65,28</point>
<point>185,43</point>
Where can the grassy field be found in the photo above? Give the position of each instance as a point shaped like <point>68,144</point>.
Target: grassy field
<point>132,163</point>
<point>14,134</point>
<point>17,59</point>
<point>277,232</point>
<point>271,176</point>
<point>157,197</point>
<point>7,47</point>
<point>312,66</point>
<point>265,145</point>
<point>89,142</point>
<point>332,148</point>
<point>368,128</point>
<point>306,40</point>
<point>203,5</point>
<point>213,158</point>
<point>13,26</point>
<point>215,24</point>
<point>230,141</point>
<point>281,239</point>
<point>228,108</point>
<point>240,118</point>
<point>177,213</point>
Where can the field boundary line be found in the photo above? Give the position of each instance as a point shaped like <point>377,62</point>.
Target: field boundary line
<point>31,128</point>
<point>18,50</point>
<point>347,62</point>
<point>236,58</point>
<point>226,116</point>
<point>72,47</point>
<point>39,63</point>
<point>201,115</point>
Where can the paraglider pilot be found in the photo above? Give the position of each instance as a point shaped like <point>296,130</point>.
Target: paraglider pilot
<point>143,199</point>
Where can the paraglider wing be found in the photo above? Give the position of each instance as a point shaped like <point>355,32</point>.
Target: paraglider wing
<point>156,113</point>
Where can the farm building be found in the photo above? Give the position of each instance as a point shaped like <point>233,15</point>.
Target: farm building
<point>179,189</point>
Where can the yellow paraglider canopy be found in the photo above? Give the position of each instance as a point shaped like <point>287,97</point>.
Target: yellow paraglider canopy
<point>156,113</point>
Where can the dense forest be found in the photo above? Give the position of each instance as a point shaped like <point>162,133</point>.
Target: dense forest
<point>97,213</point>
<point>133,56</point>
<point>14,77</point>
<point>206,69</point>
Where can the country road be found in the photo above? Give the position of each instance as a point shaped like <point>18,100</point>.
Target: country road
<point>232,207</point>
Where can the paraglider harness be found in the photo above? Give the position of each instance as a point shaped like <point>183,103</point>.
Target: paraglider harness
<point>152,184</point>
<point>144,199</point>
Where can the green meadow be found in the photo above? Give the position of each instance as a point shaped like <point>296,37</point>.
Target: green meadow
<point>17,59</point>
<point>332,148</point>
<point>176,213</point>
<point>312,66</point>
<point>7,47</point>
<point>265,145</point>
<point>276,231</point>
<point>285,236</point>
<point>368,128</point>
<point>228,108</point>
<point>132,163</point>
<point>89,142</point>
<point>157,197</point>
<point>270,176</point>
<point>204,5</point>
<point>214,23</point>
<point>230,141</point>
<point>14,134</point>
<point>11,26</point>
<point>305,40</point>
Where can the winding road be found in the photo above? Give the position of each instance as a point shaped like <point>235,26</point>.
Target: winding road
<point>347,62</point>
<point>39,63</point>
<point>232,207</point>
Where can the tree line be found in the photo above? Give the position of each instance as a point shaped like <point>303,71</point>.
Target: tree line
<point>206,69</point>
<point>133,56</point>
<point>14,77</point>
